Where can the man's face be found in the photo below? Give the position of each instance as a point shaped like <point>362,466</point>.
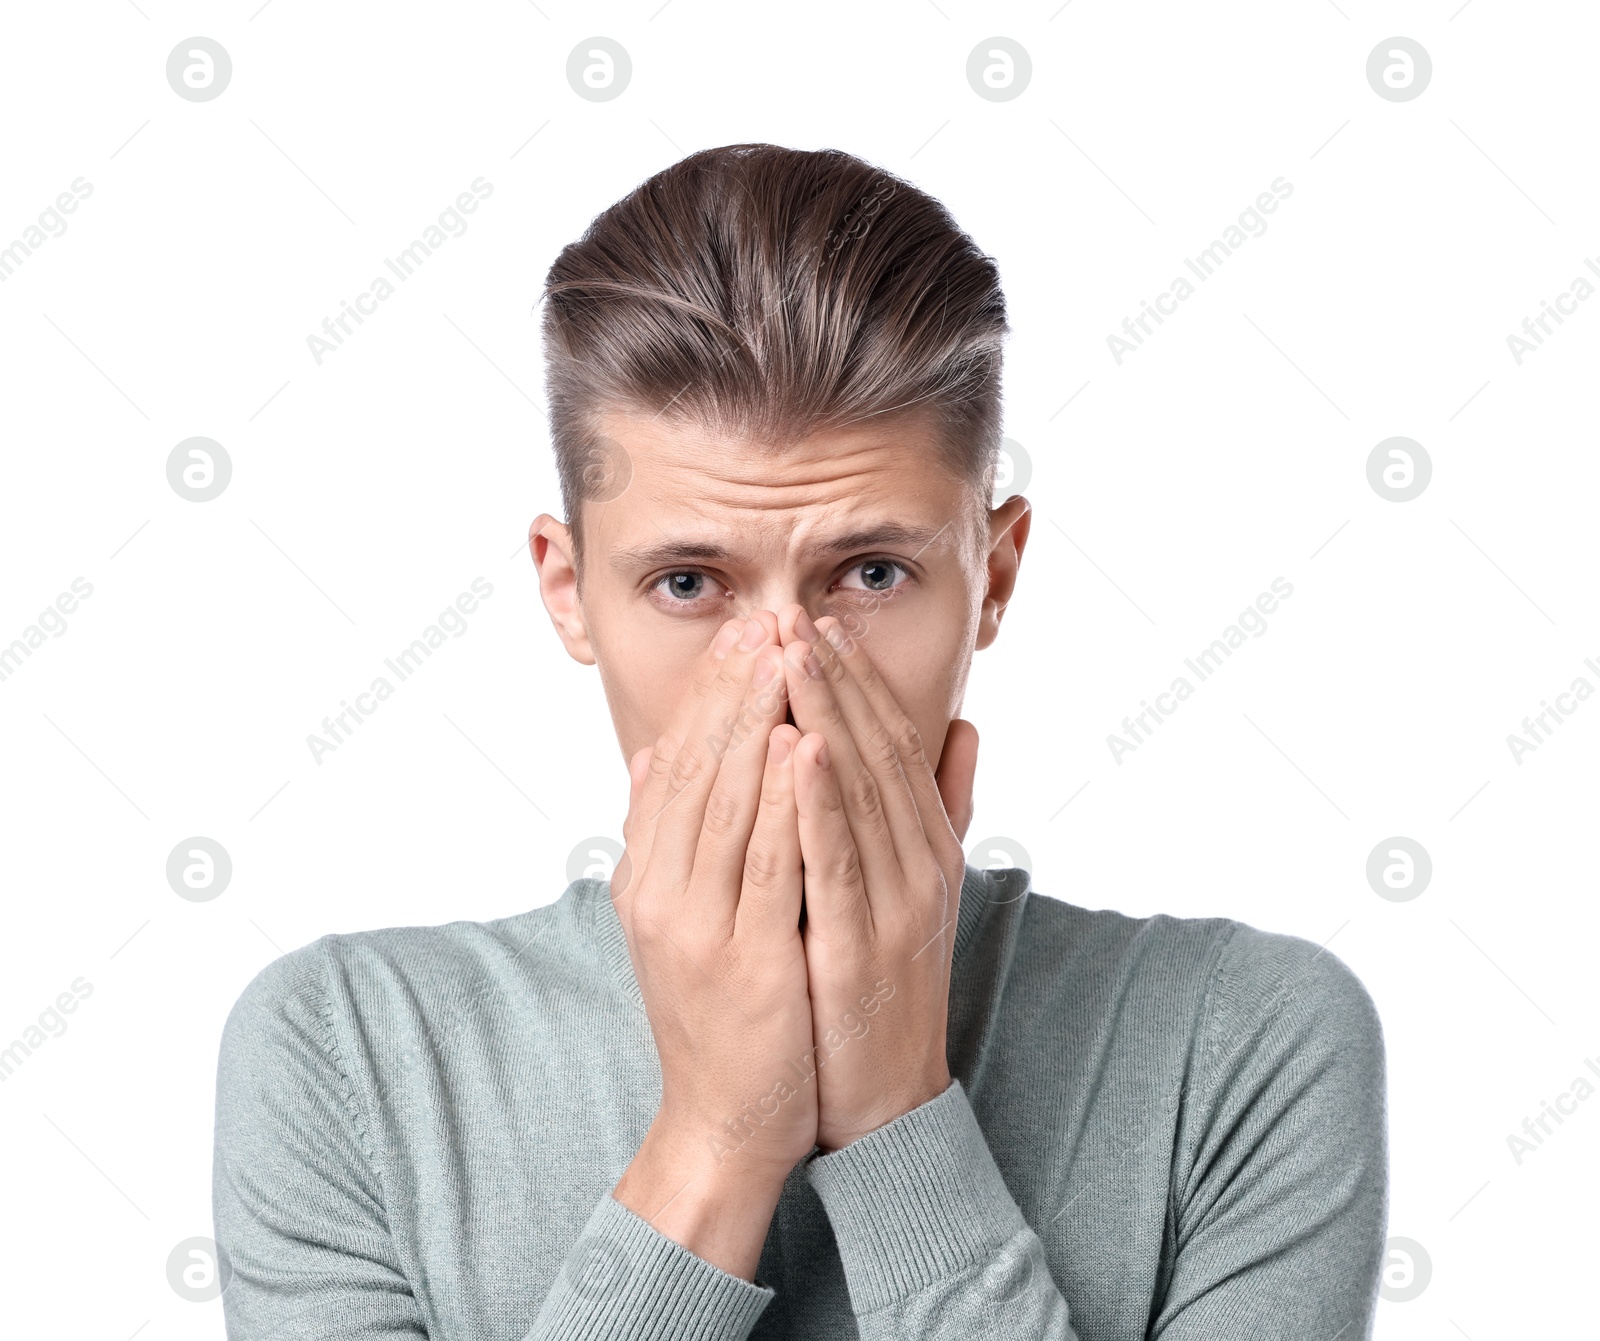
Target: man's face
<point>864,524</point>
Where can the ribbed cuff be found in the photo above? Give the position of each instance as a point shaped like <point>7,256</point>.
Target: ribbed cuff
<point>914,1202</point>
<point>624,1280</point>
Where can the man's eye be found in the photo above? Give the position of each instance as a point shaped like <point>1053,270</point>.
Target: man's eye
<point>683,586</point>
<point>874,575</point>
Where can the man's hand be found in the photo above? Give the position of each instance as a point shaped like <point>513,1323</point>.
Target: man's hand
<point>883,869</point>
<point>708,891</point>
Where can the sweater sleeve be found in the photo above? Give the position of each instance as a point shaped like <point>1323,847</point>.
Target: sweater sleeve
<point>1280,1185</point>
<point>624,1280</point>
<point>298,1208</point>
<point>933,1244</point>
<point>301,1223</point>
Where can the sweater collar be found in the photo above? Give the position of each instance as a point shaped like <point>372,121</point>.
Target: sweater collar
<point>985,895</point>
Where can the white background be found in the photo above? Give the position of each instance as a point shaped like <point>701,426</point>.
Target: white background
<point>369,491</point>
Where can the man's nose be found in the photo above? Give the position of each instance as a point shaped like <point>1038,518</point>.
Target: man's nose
<point>779,614</point>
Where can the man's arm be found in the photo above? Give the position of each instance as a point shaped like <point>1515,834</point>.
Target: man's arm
<point>1279,1203</point>
<point>296,1199</point>
<point>712,887</point>
<point>302,1222</point>
<point>1278,1226</point>
<point>1282,1152</point>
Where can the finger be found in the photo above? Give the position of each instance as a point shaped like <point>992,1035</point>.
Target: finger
<point>817,710</point>
<point>910,750</point>
<point>877,799</point>
<point>681,723</point>
<point>836,897</point>
<point>876,736</point>
<point>958,764</point>
<point>683,771</point>
<point>735,797</point>
<point>769,621</point>
<point>769,901</point>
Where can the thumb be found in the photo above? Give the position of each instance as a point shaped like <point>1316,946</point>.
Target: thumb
<point>958,763</point>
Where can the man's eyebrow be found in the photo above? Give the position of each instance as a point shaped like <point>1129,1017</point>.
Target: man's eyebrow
<point>666,552</point>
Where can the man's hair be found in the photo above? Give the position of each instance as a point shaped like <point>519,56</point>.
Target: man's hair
<point>766,294</point>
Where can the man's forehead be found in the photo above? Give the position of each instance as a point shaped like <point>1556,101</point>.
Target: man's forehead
<point>697,496</point>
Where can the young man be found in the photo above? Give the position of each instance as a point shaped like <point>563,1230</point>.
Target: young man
<point>797,1070</point>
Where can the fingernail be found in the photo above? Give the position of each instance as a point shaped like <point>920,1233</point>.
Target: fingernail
<point>764,671</point>
<point>778,748</point>
<point>822,756</point>
<point>838,639</point>
<point>804,627</point>
<point>754,635</point>
<point>813,666</point>
<point>723,644</point>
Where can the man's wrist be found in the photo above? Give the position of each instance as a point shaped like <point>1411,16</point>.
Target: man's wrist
<point>930,1089</point>
<point>719,1210</point>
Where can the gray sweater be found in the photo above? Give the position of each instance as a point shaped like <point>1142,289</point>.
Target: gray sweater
<point>1158,1127</point>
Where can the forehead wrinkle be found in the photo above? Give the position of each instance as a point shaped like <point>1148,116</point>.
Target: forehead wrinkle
<point>766,484</point>
<point>737,499</point>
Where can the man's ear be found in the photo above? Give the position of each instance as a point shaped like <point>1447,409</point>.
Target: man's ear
<point>1008,534</point>
<point>550,543</point>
